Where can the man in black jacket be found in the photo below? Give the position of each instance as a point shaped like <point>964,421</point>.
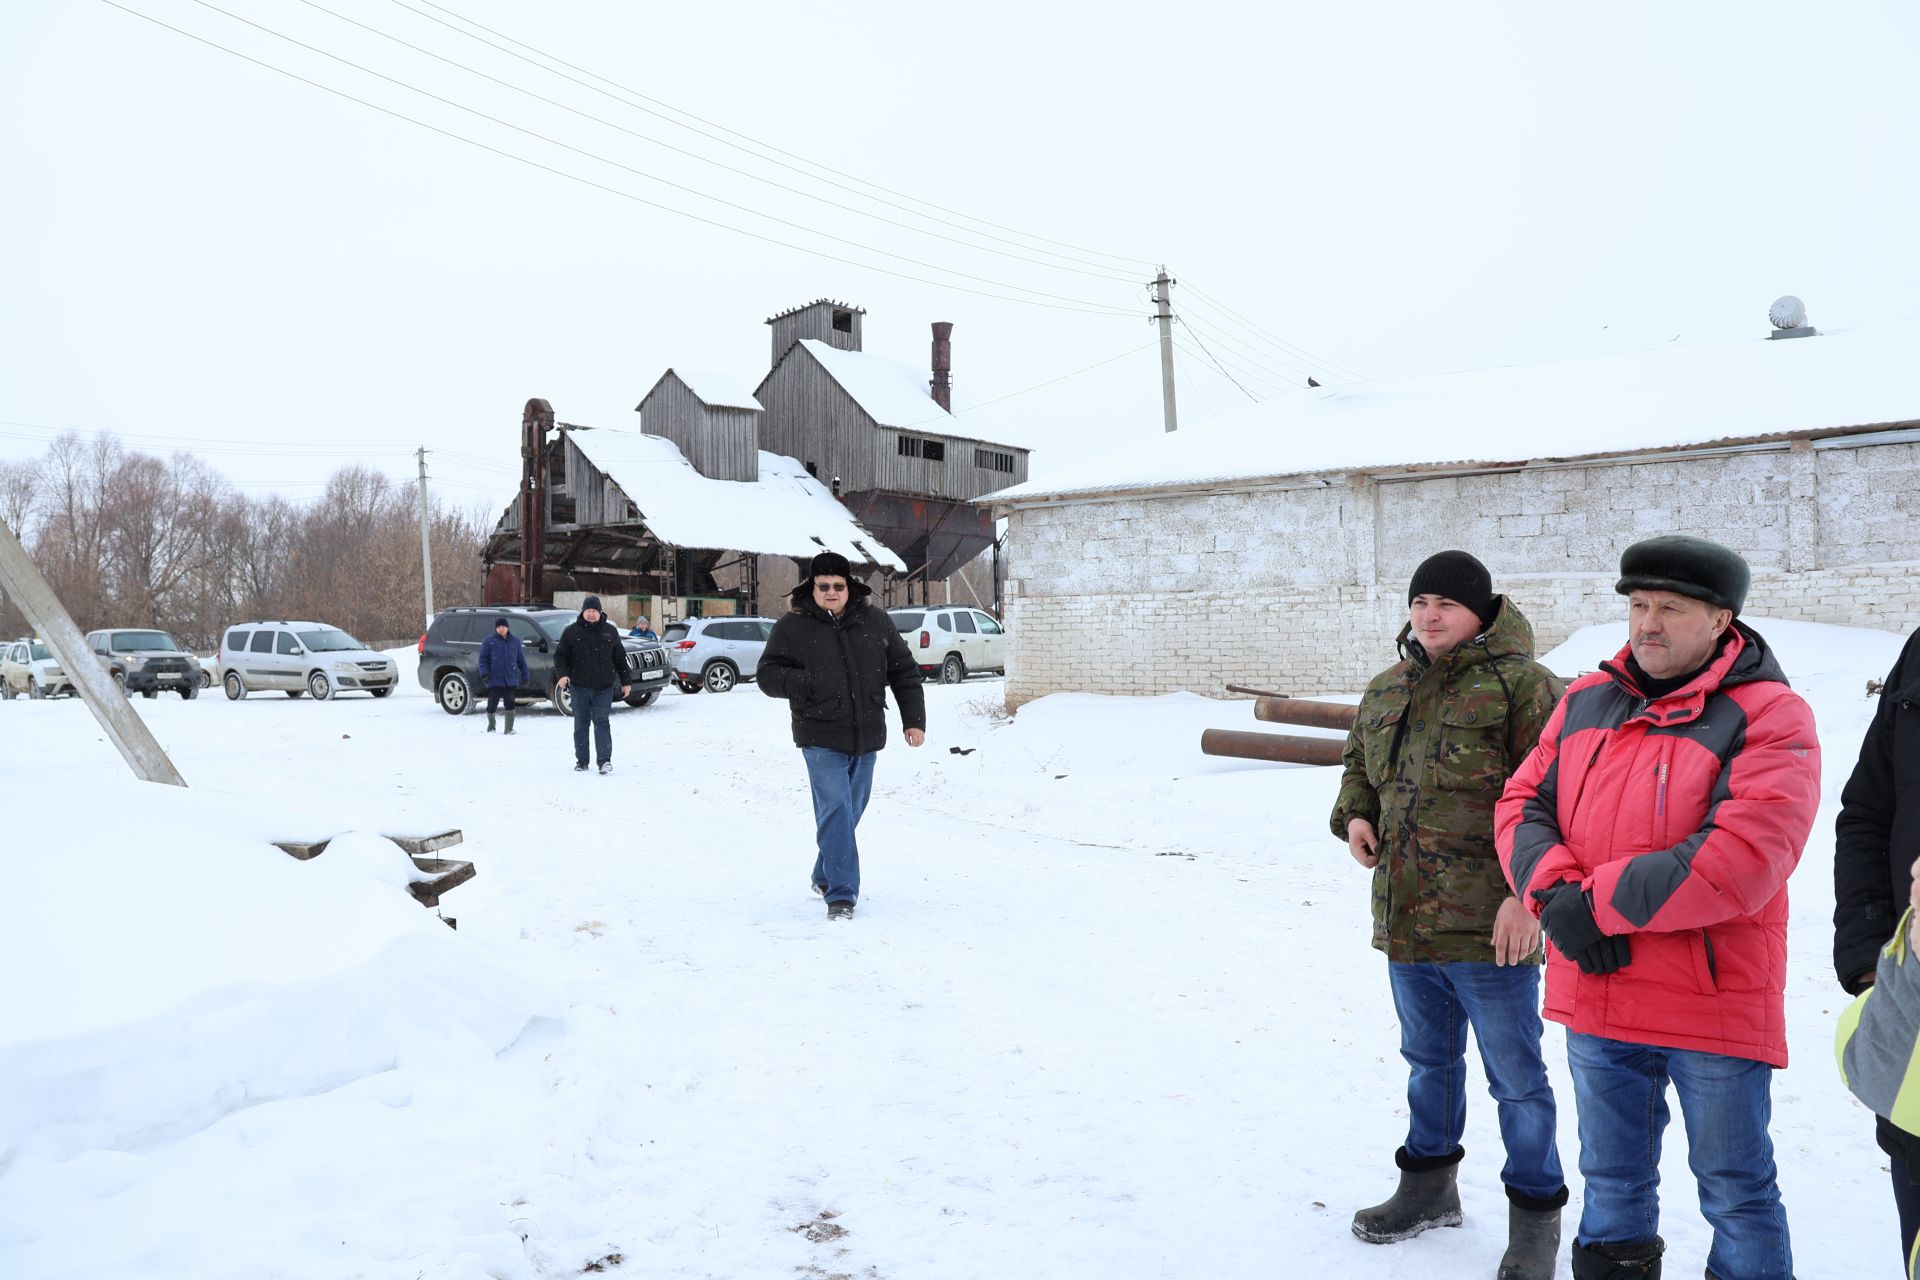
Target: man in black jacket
<point>833,658</point>
<point>591,660</point>
<point>1875,839</point>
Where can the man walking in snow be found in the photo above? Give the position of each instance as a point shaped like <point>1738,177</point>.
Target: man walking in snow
<point>1875,840</point>
<point>1653,831</point>
<point>591,661</point>
<point>833,658</point>
<point>503,669</point>
<point>1435,739</point>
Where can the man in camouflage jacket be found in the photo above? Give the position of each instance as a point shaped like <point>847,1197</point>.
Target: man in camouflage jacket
<point>1436,737</point>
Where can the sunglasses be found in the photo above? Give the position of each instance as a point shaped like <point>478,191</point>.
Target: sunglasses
<point>830,588</point>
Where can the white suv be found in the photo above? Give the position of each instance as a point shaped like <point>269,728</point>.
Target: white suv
<point>949,640</point>
<point>715,654</point>
<point>28,668</point>
<point>301,657</point>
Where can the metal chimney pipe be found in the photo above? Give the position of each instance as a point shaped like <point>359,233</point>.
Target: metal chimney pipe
<point>943,364</point>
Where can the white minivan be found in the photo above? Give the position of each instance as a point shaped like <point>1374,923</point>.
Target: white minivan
<point>301,658</point>
<point>949,640</point>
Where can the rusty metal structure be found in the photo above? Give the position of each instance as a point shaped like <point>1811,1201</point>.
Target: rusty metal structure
<point>1305,712</point>
<point>1282,748</point>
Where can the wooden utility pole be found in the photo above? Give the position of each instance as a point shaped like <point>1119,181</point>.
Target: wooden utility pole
<point>426,542</point>
<point>22,579</point>
<point>1163,312</point>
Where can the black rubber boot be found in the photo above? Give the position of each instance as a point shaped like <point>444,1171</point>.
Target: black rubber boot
<point>1533,1236</point>
<point>1428,1196</point>
<point>509,719</point>
<point>489,721</point>
<point>1628,1260</point>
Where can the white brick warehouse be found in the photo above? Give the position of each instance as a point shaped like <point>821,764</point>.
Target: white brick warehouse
<point>1154,583</point>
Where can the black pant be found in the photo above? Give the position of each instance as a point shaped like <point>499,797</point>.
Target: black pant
<point>592,706</point>
<point>1906,1196</point>
<point>498,695</point>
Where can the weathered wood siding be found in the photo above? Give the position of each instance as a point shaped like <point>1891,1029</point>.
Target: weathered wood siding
<point>811,417</point>
<point>595,498</point>
<point>721,443</point>
<point>814,321</point>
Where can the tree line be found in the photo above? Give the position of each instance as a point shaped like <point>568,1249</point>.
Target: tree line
<point>130,539</point>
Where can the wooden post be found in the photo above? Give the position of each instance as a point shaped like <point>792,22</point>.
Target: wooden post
<point>50,619</point>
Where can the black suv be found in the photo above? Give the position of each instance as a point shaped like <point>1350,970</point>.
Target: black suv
<point>450,656</point>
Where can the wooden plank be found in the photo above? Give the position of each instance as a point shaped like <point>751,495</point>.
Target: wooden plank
<point>428,844</point>
<point>446,874</point>
<point>303,849</point>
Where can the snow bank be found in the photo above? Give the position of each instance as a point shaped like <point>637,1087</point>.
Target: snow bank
<point>183,968</point>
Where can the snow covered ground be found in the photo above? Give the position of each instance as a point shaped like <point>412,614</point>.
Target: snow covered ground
<point>1107,1009</point>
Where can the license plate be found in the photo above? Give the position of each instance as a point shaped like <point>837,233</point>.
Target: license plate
<point>653,675</point>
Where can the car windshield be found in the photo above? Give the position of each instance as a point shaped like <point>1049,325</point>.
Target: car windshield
<point>144,642</point>
<point>905,622</point>
<point>40,653</point>
<point>328,640</point>
<point>554,623</point>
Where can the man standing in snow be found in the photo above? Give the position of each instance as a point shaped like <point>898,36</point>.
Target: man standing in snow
<point>591,661</point>
<point>833,658</point>
<point>1875,839</point>
<point>1653,831</point>
<point>503,669</point>
<point>1435,739</point>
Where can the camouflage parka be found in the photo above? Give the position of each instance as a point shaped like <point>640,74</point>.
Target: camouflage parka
<point>1432,747</point>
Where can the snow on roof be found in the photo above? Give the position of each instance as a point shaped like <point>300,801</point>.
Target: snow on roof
<point>716,390</point>
<point>1665,398</point>
<point>785,513</point>
<point>893,394</point>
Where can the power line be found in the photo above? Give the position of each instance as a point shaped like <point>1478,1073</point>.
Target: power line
<point>1104,273</point>
<point>651,177</point>
<point>1035,387</point>
<point>1191,384</point>
<point>1269,334</point>
<point>1130,260</point>
<point>615,191</point>
<point>1257,359</point>
<point>1222,368</point>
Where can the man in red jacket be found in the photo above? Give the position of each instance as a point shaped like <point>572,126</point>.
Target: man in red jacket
<point>1653,830</point>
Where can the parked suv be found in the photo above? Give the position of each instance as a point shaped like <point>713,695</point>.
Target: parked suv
<point>301,658</point>
<point>715,654</point>
<point>28,668</point>
<point>145,662</point>
<point>949,641</point>
<point>450,656</point>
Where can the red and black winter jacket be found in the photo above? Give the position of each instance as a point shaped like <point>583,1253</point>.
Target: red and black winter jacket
<point>1682,817</point>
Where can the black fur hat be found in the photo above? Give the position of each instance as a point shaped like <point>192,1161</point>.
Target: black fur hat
<point>1688,566</point>
<point>830,564</point>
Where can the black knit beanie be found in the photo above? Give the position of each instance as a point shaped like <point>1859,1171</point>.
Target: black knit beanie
<point>1695,567</point>
<point>1457,576</point>
<point>591,602</point>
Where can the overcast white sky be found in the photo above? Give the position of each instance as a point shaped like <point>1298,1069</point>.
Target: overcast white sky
<point>204,252</point>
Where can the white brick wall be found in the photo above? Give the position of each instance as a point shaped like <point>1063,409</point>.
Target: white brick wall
<point>1303,590</point>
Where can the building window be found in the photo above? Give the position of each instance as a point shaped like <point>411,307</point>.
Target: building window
<point>993,460</point>
<point>842,321</point>
<point>916,447</point>
<point>562,509</point>
<point>557,466</point>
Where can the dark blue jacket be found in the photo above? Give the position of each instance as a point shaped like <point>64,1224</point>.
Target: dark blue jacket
<point>502,663</point>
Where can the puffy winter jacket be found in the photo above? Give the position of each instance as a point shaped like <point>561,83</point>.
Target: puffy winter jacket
<point>1431,747</point>
<point>1682,816</point>
<point>835,673</point>
<point>503,664</point>
<point>1877,835</point>
<point>590,655</point>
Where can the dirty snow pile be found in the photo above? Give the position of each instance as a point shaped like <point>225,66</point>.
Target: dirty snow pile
<point>1107,1008</point>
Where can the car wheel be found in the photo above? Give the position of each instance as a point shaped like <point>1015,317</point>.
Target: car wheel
<point>380,693</point>
<point>6,691</point>
<point>562,698</point>
<point>120,683</point>
<point>33,689</point>
<point>643,699</point>
<point>319,686</point>
<point>454,693</point>
<point>296,693</point>
<point>188,692</point>
<point>720,677</point>
<point>236,688</point>
<point>689,686</point>
<point>149,693</point>
<point>206,678</point>
<point>953,670</point>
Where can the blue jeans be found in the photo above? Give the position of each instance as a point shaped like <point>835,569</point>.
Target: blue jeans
<point>593,705</point>
<point>1620,1091</point>
<point>1436,1004</point>
<point>841,784</point>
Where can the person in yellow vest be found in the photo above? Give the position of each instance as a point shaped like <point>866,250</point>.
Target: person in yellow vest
<point>1878,1043</point>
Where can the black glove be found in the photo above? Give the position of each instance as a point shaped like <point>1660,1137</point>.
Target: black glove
<point>1566,914</point>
